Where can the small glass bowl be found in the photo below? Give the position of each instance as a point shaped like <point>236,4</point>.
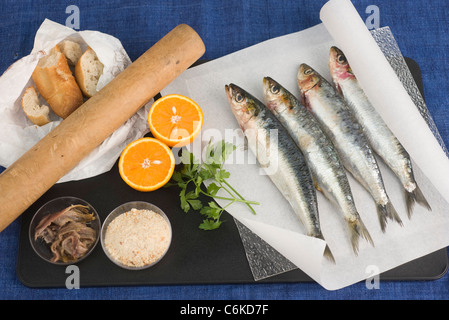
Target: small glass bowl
<point>41,248</point>
<point>139,205</point>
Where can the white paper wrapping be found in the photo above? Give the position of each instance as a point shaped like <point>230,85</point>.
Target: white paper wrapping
<point>275,222</point>
<point>18,134</point>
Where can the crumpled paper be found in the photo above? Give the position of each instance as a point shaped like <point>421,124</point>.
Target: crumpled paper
<point>18,134</point>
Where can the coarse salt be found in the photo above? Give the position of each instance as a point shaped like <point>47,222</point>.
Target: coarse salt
<point>138,237</point>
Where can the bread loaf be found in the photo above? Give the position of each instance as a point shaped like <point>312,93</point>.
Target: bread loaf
<point>87,72</point>
<point>56,84</point>
<point>72,51</point>
<point>37,113</point>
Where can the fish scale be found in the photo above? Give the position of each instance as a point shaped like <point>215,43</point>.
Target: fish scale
<point>340,124</point>
<point>320,154</point>
<point>281,159</point>
<point>380,137</point>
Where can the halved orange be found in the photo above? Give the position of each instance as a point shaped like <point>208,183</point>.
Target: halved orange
<point>175,119</point>
<point>146,164</point>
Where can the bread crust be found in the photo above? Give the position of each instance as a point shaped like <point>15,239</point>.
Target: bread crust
<point>84,77</point>
<point>38,114</point>
<point>57,85</point>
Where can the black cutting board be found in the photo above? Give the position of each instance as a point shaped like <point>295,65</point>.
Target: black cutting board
<point>195,256</point>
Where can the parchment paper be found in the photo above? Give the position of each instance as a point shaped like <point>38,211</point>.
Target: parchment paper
<point>18,134</point>
<point>275,222</point>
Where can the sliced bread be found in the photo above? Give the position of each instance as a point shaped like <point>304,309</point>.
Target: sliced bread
<point>55,82</point>
<point>37,113</point>
<point>87,72</point>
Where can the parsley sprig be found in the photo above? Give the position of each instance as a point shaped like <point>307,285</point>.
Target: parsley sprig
<point>190,180</point>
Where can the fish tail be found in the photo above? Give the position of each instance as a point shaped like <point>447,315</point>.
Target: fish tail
<point>327,251</point>
<point>382,215</point>
<point>328,254</point>
<point>393,213</point>
<point>357,229</point>
<point>387,211</point>
<point>415,196</point>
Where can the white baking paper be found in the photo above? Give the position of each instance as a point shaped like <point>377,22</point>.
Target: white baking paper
<point>275,222</point>
<point>390,99</point>
<point>18,134</point>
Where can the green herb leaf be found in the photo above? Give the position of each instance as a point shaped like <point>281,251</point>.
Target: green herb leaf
<point>212,189</point>
<point>195,204</point>
<point>227,150</point>
<point>210,224</point>
<point>192,175</point>
<point>184,204</point>
<point>176,176</point>
<point>205,174</point>
<point>222,175</point>
<point>187,157</point>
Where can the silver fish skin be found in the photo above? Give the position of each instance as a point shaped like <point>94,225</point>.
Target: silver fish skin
<point>347,135</point>
<point>381,139</point>
<point>321,156</point>
<point>274,148</point>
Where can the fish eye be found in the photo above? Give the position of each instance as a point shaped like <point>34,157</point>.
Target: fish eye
<point>275,89</point>
<point>308,72</point>
<point>238,97</point>
<point>341,58</point>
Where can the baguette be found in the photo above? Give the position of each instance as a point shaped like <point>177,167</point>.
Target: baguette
<point>56,84</point>
<point>87,72</point>
<point>37,113</point>
<point>72,51</point>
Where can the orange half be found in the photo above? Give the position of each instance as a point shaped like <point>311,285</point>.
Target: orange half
<point>175,119</point>
<point>146,164</point>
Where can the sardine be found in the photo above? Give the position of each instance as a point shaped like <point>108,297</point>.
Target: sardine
<point>321,156</point>
<point>277,153</point>
<point>382,140</point>
<point>341,126</point>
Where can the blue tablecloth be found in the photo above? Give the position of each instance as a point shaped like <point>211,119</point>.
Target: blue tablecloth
<point>421,29</point>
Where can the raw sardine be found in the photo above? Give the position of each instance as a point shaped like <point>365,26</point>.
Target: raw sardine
<point>279,156</point>
<point>321,156</point>
<point>382,140</point>
<point>341,126</point>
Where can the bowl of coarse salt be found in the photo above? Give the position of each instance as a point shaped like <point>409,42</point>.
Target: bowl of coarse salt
<point>136,235</point>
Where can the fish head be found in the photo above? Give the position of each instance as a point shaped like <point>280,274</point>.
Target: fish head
<point>242,104</point>
<point>276,98</point>
<point>307,79</point>
<point>339,67</point>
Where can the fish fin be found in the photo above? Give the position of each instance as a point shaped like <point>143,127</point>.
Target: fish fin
<point>316,184</point>
<point>305,102</point>
<point>338,88</point>
<point>327,251</point>
<point>392,213</point>
<point>387,211</point>
<point>415,196</point>
<point>421,199</point>
<point>328,254</point>
<point>382,215</point>
<point>357,229</point>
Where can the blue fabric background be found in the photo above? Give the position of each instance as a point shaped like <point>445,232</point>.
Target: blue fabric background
<point>420,28</point>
